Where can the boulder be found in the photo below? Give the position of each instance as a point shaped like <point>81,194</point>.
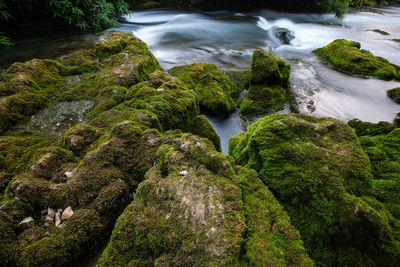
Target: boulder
<point>212,86</point>
<point>218,215</point>
<point>26,223</point>
<point>347,56</point>
<point>269,84</point>
<point>320,174</point>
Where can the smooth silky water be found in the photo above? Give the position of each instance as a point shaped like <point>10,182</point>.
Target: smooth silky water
<point>228,40</point>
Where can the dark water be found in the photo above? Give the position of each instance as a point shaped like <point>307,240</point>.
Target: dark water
<point>228,39</point>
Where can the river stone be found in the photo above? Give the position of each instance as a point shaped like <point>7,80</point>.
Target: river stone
<point>68,212</point>
<point>26,223</point>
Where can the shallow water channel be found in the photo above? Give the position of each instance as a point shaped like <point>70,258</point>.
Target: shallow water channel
<point>228,39</point>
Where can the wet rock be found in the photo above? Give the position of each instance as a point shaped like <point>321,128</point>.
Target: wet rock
<point>59,118</point>
<point>67,213</point>
<point>284,35</point>
<point>26,223</point>
<point>348,57</point>
<point>269,84</point>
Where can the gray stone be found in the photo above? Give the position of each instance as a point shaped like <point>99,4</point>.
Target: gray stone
<point>50,215</point>
<point>26,223</point>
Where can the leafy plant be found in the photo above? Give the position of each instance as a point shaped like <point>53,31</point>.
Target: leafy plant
<point>4,15</point>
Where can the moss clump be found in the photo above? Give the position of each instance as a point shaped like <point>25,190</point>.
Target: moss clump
<point>17,154</point>
<point>27,87</point>
<point>321,176</point>
<point>209,216</point>
<point>381,32</point>
<point>269,78</point>
<point>203,128</point>
<point>394,94</point>
<point>348,57</point>
<point>380,141</point>
<point>212,86</point>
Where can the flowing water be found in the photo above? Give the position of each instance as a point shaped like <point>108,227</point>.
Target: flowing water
<point>228,39</point>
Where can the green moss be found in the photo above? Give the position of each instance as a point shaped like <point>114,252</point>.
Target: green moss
<point>209,217</point>
<point>367,128</point>
<point>268,91</point>
<point>16,155</point>
<point>381,32</point>
<point>212,86</point>
<point>321,176</point>
<point>381,144</point>
<point>394,94</point>
<point>67,244</point>
<point>265,246</point>
<point>347,57</point>
<point>80,137</point>
<point>203,128</point>
<point>83,61</point>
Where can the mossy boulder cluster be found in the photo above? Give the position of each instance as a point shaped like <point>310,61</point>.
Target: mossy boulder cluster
<point>145,172</point>
<point>197,208</point>
<point>268,84</point>
<point>348,57</point>
<point>212,86</point>
<point>320,174</point>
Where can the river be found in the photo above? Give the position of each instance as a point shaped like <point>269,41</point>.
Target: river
<point>228,40</point>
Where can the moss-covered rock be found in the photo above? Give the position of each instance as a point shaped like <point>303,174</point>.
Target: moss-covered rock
<point>93,167</point>
<point>394,94</point>
<point>28,87</point>
<point>66,244</point>
<point>16,155</point>
<point>212,86</point>
<point>380,141</point>
<point>321,176</point>
<point>189,211</point>
<point>203,128</point>
<point>348,57</point>
<point>269,83</point>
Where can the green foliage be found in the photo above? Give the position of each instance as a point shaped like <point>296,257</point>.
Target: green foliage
<point>4,15</point>
<point>88,14</point>
<point>84,14</point>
